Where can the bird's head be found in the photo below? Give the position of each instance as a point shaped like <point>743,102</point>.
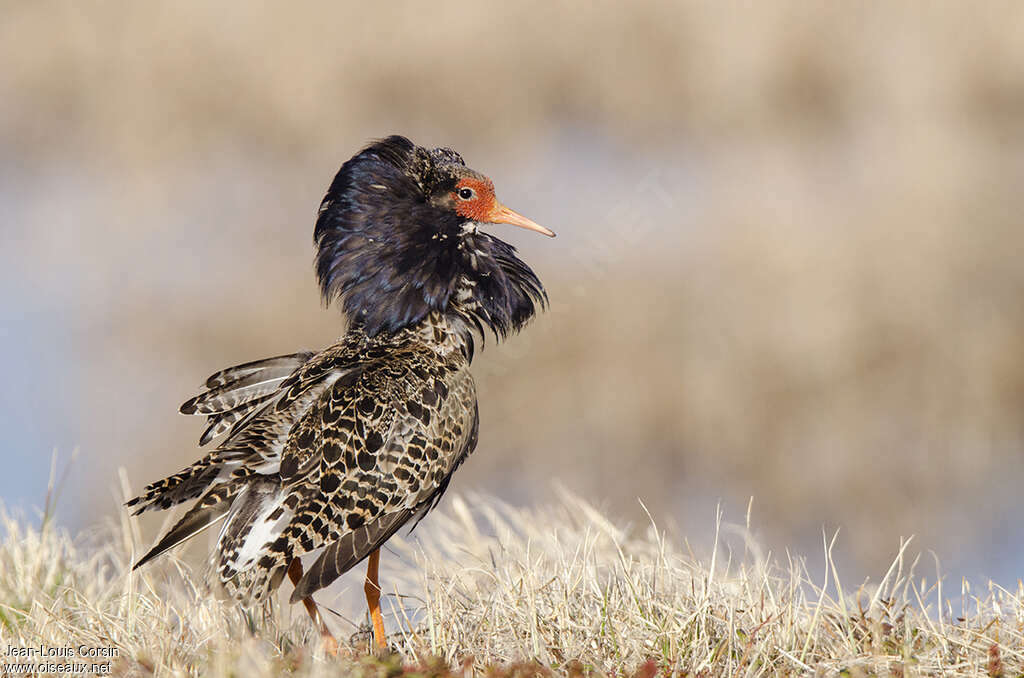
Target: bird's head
<point>398,237</point>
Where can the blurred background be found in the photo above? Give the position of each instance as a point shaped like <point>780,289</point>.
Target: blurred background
<point>789,262</point>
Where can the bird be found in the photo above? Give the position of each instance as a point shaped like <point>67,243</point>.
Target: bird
<point>329,453</point>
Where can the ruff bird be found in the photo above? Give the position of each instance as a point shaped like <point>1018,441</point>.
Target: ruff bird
<point>333,451</point>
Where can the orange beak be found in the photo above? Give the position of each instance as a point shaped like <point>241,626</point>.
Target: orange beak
<point>503,215</point>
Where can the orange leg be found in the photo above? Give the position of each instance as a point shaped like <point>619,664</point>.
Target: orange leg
<point>330,644</point>
<point>372,590</point>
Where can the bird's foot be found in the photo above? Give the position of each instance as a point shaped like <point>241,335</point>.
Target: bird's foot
<point>367,643</point>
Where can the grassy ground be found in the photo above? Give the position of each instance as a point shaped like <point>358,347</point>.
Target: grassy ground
<point>502,591</point>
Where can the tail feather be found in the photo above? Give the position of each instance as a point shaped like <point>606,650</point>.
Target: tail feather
<point>253,406</point>
<point>238,396</point>
<point>256,521</point>
<point>191,481</point>
<point>207,511</point>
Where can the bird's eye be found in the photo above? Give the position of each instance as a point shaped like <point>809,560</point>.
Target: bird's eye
<point>467,193</point>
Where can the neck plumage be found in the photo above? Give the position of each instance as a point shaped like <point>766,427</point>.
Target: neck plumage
<point>475,285</point>
<point>445,334</point>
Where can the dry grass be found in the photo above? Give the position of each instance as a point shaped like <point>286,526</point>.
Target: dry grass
<point>493,585</point>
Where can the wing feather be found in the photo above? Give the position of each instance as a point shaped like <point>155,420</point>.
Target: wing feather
<point>368,457</point>
<point>347,552</point>
<point>287,363</point>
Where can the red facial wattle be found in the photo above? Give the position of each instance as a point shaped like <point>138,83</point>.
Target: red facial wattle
<point>484,207</point>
